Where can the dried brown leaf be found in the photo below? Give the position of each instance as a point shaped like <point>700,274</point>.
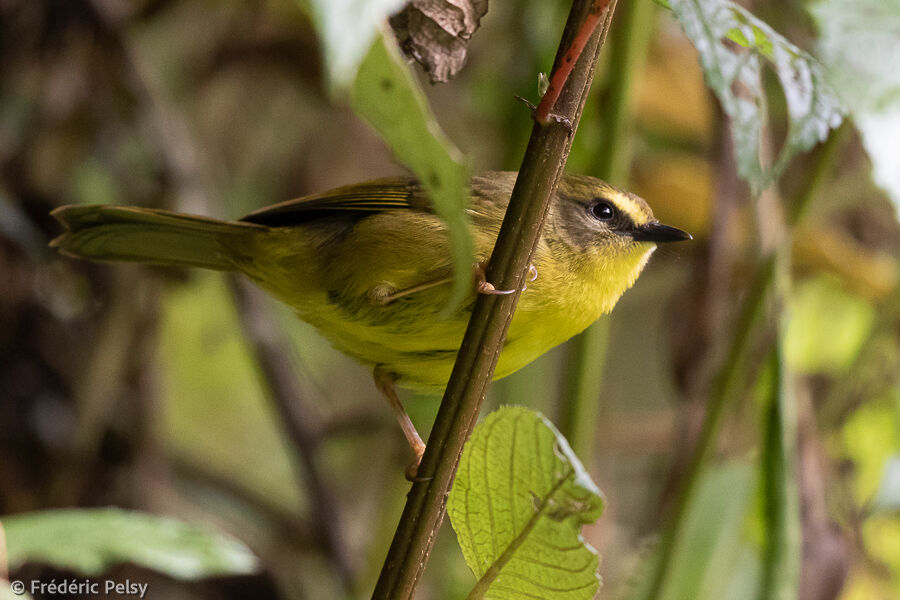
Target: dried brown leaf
<point>436,33</point>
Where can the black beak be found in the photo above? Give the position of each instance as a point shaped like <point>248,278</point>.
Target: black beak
<point>657,232</point>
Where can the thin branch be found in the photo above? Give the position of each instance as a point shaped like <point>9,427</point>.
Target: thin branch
<point>563,68</point>
<point>271,355</point>
<point>781,554</point>
<point>541,169</point>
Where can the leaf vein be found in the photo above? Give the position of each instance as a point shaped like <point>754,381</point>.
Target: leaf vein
<point>549,588</point>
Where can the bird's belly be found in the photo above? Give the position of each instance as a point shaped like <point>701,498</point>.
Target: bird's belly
<point>422,351</point>
<point>416,342</point>
<point>411,336</point>
<point>532,333</point>
<point>421,354</point>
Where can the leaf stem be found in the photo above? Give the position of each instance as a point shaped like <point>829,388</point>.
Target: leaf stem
<point>541,169</point>
<point>780,560</point>
<point>484,583</point>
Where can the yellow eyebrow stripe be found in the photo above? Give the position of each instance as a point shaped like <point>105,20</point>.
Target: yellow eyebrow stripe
<point>635,210</point>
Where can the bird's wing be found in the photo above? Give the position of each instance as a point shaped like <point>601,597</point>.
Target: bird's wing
<point>373,196</point>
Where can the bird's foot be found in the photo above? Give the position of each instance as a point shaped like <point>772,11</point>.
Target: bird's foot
<point>486,287</point>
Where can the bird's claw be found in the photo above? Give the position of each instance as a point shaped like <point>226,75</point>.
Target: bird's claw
<point>411,472</point>
<point>486,287</point>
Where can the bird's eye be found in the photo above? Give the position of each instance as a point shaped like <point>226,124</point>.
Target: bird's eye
<point>602,210</point>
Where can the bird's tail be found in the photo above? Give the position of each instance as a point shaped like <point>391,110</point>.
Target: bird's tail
<point>145,235</point>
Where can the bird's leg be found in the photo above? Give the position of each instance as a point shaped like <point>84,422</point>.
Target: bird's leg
<point>384,381</point>
<point>386,294</point>
<point>486,287</point>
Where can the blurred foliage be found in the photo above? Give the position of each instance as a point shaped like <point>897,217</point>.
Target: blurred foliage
<point>199,320</point>
<point>858,42</point>
<point>723,32</point>
<point>135,388</point>
<point>717,558</point>
<point>90,541</point>
<point>347,30</point>
<point>827,326</point>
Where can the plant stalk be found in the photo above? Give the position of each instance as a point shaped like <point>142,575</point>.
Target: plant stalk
<point>541,169</point>
<point>781,546</point>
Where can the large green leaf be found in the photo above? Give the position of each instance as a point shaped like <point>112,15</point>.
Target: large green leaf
<point>517,506</point>
<point>734,47</point>
<point>90,541</point>
<point>347,29</point>
<point>361,55</point>
<point>387,96</point>
<point>859,43</point>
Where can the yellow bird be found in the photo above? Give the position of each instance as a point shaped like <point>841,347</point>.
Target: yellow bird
<point>369,265</point>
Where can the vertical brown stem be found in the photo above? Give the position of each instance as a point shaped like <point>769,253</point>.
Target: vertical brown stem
<point>541,168</point>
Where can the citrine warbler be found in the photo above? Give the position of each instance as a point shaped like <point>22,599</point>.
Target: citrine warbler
<point>369,264</point>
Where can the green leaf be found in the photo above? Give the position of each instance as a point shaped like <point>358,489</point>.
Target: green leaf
<point>734,47</point>
<point>347,29</point>
<point>90,541</point>
<point>859,44</point>
<point>517,506</point>
<point>387,96</point>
